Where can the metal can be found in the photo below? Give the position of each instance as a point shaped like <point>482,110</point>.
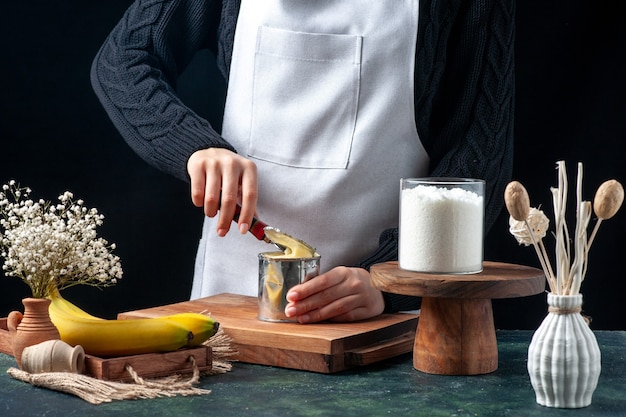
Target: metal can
<point>276,277</point>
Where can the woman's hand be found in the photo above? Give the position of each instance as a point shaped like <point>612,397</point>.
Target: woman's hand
<point>219,180</point>
<point>341,294</point>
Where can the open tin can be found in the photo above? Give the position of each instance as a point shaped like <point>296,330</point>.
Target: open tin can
<point>276,277</point>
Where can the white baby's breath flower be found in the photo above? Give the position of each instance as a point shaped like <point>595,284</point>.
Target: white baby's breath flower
<point>538,223</point>
<point>53,245</point>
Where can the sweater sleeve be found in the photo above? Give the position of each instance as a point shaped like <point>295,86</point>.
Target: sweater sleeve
<point>466,110</point>
<point>464,83</point>
<point>134,76</point>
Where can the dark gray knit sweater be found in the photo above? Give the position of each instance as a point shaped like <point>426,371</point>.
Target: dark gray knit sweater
<point>464,90</point>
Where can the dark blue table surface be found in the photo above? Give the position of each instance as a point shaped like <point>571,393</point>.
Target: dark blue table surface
<point>389,388</point>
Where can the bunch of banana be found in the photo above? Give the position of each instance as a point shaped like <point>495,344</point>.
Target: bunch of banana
<point>105,338</point>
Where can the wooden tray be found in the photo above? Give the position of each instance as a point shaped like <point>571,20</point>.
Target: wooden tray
<point>5,340</point>
<point>151,365</point>
<point>322,347</point>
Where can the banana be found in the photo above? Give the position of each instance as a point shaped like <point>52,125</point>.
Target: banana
<point>202,326</point>
<point>118,337</point>
<point>63,304</point>
<point>101,337</point>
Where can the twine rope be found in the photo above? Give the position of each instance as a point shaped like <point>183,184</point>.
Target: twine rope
<point>559,310</point>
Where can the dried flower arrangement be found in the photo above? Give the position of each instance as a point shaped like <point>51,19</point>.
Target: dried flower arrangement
<point>529,225</point>
<point>53,245</point>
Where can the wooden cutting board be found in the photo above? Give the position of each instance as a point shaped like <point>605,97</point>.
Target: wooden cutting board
<point>321,347</point>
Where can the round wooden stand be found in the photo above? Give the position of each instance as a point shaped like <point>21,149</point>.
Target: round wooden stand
<point>455,332</point>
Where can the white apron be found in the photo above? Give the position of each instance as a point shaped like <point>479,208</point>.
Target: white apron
<point>320,97</point>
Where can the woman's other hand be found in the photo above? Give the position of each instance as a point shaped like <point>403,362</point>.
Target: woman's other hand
<point>342,294</point>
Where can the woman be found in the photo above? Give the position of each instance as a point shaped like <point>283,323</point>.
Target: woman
<point>329,104</point>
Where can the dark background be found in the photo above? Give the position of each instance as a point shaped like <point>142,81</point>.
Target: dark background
<point>570,105</point>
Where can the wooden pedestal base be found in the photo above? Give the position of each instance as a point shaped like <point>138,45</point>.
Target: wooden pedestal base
<point>456,333</point>
<point>455,336</point>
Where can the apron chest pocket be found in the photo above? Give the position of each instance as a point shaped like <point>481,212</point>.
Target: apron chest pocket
<point>305,98</point>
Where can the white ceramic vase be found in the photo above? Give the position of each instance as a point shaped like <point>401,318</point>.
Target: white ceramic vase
<point>564,356</point>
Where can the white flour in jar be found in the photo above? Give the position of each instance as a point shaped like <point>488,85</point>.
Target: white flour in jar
<point>441,230</point>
